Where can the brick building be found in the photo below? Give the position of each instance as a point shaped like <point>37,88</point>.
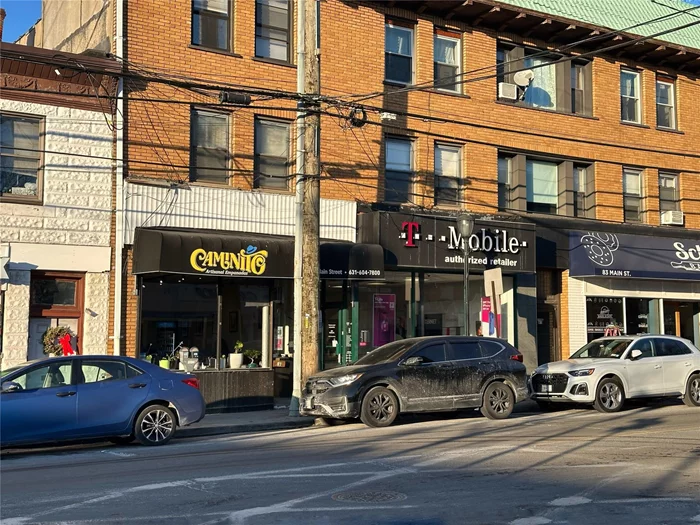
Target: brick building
<point>55,202</point>
<point>595,137</point>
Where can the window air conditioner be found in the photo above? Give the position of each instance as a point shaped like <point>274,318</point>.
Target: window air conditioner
<point>507,91</point>
<point>672,217</point>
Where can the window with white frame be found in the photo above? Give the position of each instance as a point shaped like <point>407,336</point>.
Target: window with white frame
<point>211,24</point>
<point>272,29</point>
<point>668,192</point>
<point>20,157</point>
<point>271,154</point>
<point>542,182</point>
<point>398,174</point>
<point>448,174</point>
<point>630,96</point>
<point>503,182</point>
<point>579,191</point>
<point>665,103</point>
<point>446,60</point>
<point>632,194</point>
<point>398,54</point>
<point>209,146</point>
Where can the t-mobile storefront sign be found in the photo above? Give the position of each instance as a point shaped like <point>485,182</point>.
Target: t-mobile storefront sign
<point>434,242</point>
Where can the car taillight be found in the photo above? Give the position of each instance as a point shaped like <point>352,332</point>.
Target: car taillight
<point>517,357</point>
<point>192,381</point>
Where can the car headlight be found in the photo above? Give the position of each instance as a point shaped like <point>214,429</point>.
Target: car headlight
<point>581,373</point>
<point>344,380</point>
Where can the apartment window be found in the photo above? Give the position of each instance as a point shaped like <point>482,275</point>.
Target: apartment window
<point>542,92</point>
<point>629,96</point>
<point>211,24</point>
<point>503,183</point>
<point>271,154</point>
<point>398,54</point>
<point>446,60</point>
<point>578,89</point>
<point>632,194</point>
<point>399,170</point>
<point>665,103</point>
<point>210,147</point>
<point>272,28</point>
<point>20,157</point>
<point>448,174</point>
<point>668,192</point>
<point>542,194</point>
<point>579,191</point>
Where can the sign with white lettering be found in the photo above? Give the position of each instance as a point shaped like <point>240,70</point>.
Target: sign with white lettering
<point>421,241</point>
<point>622,255</point>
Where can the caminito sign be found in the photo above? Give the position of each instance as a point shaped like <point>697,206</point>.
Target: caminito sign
<point>435,242</point>
<point>246,262</point>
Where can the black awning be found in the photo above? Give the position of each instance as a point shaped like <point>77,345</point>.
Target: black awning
<point>224,254</point>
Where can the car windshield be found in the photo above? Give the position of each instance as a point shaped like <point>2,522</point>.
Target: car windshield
<point>385,353</point>
<point>603,348</point>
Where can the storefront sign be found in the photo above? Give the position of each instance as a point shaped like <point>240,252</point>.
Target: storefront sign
<point>434,242</point>
<point>384,319</point>
<point>623,255</point>
<point>245,262</point>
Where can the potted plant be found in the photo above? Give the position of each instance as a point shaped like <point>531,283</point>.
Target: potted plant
<point>52,340</point>
<point>254,356</point>
<point>235,358</point>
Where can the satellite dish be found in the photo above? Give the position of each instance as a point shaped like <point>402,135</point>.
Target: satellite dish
<point>523,78</point>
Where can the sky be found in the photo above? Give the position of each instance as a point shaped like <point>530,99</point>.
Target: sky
<point>21,15</point>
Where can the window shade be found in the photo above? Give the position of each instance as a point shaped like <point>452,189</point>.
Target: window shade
<point>398,155</point>
<point>445,50</point>
<point>631,182</point>
<point>447,161</point>
<point>216,6</point>
<point>541,182</point>
<point>398,41</point>
<point>272,139</point>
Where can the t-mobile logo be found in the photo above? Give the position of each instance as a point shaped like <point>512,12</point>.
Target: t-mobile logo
<point>411,232</point>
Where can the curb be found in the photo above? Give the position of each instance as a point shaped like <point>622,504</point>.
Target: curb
<point>240,429</point>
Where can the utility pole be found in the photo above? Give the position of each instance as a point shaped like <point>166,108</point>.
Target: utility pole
<point>306,235</point>
<point>312,172</point>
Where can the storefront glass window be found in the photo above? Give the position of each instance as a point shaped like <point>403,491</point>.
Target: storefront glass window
<point>638,322</point>
<point>175,312</point>
<point>604,316</point>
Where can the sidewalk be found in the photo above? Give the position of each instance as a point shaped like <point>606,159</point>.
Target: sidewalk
<point>278,419</point>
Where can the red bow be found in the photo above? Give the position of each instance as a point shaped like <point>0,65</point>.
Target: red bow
<point>65,343</point>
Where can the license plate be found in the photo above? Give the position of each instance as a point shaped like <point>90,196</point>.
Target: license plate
<point>309,403</point>
<point>545,388</point>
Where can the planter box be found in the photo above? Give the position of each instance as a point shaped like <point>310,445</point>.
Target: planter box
<point>237,390</point>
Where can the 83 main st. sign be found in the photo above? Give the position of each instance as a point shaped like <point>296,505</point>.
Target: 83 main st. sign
<point>434,242</point>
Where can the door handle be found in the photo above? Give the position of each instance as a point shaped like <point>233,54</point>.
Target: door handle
<point>137,385</point>
<point>657,366</point>
<point>688,364</point>
<point>65,394</point>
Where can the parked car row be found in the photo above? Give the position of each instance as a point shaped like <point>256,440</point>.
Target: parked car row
<point>449,373</point>
<point>123,399</point>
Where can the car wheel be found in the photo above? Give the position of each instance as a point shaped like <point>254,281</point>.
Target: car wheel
<point>498,401</point>
<point>609,396</point>
<point>155,425</point>
<point>380,407</point>
<point>122,440</point>
<point>692,391</point>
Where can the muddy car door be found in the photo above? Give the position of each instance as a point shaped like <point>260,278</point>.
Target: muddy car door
<point>427,379</point>
<point>466,357</point>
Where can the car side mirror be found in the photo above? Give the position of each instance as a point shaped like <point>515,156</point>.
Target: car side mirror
<point>635,354</point>
<point>413,361</point>
<point>10,386</point>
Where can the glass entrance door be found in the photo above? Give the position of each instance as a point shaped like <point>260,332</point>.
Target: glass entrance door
<point>681,319</point>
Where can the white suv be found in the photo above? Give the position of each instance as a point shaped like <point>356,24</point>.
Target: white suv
<point>607,371</point>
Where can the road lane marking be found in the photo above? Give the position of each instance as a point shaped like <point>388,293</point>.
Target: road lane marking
<point>534,520</point>
<point>571,501</point>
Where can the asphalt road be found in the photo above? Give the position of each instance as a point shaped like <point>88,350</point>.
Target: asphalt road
<point>576,467</point>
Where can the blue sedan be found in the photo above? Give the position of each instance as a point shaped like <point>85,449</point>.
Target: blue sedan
<point>88,397</point>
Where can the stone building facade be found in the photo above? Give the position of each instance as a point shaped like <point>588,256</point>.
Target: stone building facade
<point>55,207</point>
